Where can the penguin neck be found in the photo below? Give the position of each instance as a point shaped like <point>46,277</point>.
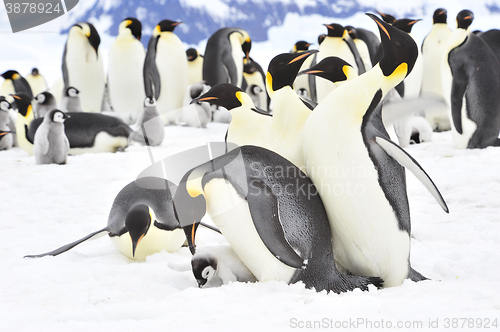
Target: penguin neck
<point>288,109</point>
<point>237,53</point>
<point>125,36</point>
<point>457,38</point>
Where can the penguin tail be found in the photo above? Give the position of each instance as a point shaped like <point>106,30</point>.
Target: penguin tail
<point>415,275</point>
<point>69,246</point>
<point>353,282</point>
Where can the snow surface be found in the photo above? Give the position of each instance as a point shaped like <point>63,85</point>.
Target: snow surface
<point>95,288</point>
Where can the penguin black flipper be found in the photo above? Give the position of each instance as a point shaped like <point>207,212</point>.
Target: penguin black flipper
<point>357,57</point>
<point>403,158</point>
<point>415,275</point>
<point>458,88</point>
<point>260,111</point>
<point>230,68</point>
<point>309,103</point>
<point>312,80</point>
<point>152,83</point>
<point>65,68</point>
<point>263,206</point>
<point>69,246</point>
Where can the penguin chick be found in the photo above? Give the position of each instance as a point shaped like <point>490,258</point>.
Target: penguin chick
<point>219,265</point>
<point>44,103</point>
<point>196,114</point>
<point>150,129</point>
<point>70,102</point>
<point>51,145</point>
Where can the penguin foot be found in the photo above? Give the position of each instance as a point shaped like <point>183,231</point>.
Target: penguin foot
<point>415,276</point>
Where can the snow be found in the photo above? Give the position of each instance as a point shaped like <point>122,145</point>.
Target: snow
<point>94,287</point>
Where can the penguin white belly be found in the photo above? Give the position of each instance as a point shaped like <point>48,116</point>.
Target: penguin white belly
<point>289,118</point>
<point>7,88</point>
<point>256,79</point>
<point>364,53</point>
<point>153,242</point>
<point>103,142</point>
<point>237,54</point>
<point>413,82</point>
<point>22,125</point>
<point>252,132</point>
<point>125,79</point>
<point>336,47</point>
<point>85,71</point>
<point>172,65</point>
<point>195,70</point>
<point>37,84</point>
<point>468,129</point>
<point>231,215</point>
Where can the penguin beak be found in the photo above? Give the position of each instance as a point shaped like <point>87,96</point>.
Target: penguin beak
<point>302,56</point>
<point>135,243</point>
<point>190,232</point>
<point>201,282</point>
<point>3,133</point>
<point>66,116</point>
<point>176,23</point>
<point>199,100</point>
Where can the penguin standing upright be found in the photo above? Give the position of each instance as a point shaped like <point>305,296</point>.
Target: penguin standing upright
<point>368,210</point>
<point>25,116</point>
<point>278,231</point>
<point>474,97</point>
<point>195,66</point>
<point>70,101</point>
<point>14,83</point>
<point>223,61</point>
<point>195,114</point>
<point>256,86</point>
<point>51,145</point>
<point>37,82</point>
<point>125,77</point>
<point>44,102</point>
<point>166,71</point>
<point>82,66</point>
<point>150,129</point>
<point>336,43</point>
<point>433,48</point>
<point>361,46</point>
<point>302,83</point>
<point>141,221</point>
<point>7,138</point>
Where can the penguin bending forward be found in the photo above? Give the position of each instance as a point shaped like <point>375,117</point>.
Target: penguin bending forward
<point>271,215</point>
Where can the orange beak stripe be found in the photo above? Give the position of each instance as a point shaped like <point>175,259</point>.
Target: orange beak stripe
<point>192,235</point>
<point>413,22</point>
<point>467,17</point>
<point>383,29</point>
<point>299,57</point>
<point>208,98</point>
<point>16,96</point>
<point>313,72</point>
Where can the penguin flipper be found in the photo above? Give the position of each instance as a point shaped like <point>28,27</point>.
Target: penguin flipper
<point>230,68</point>
<point>152,83</point>
<point>416,276</point>
<point>263,206</point>
<point>42,140</point>
<point>69,246</point>
<point>215,229</point>
<point>402,157</point>
<point>458,88</point>
<point>65,68</point>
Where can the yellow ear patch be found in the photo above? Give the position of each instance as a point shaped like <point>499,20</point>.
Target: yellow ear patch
<point>128,22</point>
<point>15,76</point>
<point>156,31</point>
<point>28,111</point>
<point>269,82</point>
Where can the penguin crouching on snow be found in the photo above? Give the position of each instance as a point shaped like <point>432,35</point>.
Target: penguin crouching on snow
<point>278,231</point>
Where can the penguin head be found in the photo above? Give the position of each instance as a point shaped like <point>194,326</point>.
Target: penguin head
<point>352,31</point>
<point>464,19</point>
<point>249,67</point>
<point>192,54</point>
<point>131,25</point>
<point>165,26</point>
<point>283,70</point>
<point>404,24</point>
<point>400,50</point>
<point>440,16</point>
<point>149,102</point>
<point>4,104</point>
<point>321,38</point>
<point>389,19</point>
<point>72,92</point>
<point>300,46</point>
<point>34,72</point>
<point>23,104</point>
<point>226,95</point>
<point>56,116</point>
<point>335,30</point>
<point>89,31</point>
<point>333,69</point>
<point>255,89</point>
<point>137,222</point>
<point>44,98</point>
<point>246,46</point>
<point>11,75</point>
<point>204,267</point>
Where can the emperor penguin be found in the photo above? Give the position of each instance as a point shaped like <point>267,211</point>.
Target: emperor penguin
<point>289,111</point>
<point>278,231</point>
<point>337,43</point>
<point>6,138</point>
<point>372,42</point>
<point>70,101</point>
<point>474,98</point>
<point>302,83</point>
<point>388,18</point>
<point>125,71</point>
<point>433,48</point>
<point>44,102</point>
<point>91,132</point>
<point>82,66</point>
<point>195,114</point>
<point>25,117</point>
<point>248,125</point>
<point>195,66</point>
<point>333,69</point>
<point>361,46</point>
<point>51,146</point>
<point>166,71</point>
<point>222,62</point>
<point>256,86</point>
<point>368,213</point>
<point>219,265</point>
<point>141,221</point>
<point>150,129</point>
<point>37,82</point>
<point>15,83</point>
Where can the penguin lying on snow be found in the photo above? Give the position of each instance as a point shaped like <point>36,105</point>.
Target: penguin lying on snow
<point>51,145</point>
<point>279,231</point>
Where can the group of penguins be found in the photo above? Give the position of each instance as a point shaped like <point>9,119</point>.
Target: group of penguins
<point>312,191</point>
